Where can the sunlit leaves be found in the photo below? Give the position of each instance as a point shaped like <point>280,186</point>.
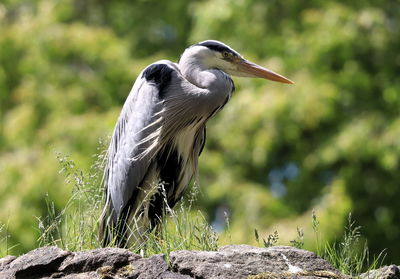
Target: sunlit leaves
<point>67,66</point>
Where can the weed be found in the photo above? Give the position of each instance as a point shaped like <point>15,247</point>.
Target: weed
<point>315,226</point>
<point>350,255</point>
<point>75,227</point>
<point>271,240</point>
<point>299,241</point>
<point>181,229</point>
<point>5,249</point>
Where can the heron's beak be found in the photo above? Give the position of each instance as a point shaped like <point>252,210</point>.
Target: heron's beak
<point>251,69</point>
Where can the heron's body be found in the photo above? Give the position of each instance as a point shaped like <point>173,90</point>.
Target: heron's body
<point>159,136</point>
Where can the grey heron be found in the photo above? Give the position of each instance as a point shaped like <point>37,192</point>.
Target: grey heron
<point>160,134</point>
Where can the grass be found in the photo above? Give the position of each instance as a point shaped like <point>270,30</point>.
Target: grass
<point>181,230</point>
<point>75,227</point>
<point>5,249</point>
<point>350,255</point>
<point>271,240</point>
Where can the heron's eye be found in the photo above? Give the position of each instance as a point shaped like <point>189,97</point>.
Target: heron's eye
<point>225,54</point>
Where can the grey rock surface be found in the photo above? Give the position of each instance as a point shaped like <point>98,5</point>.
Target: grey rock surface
<point>243,261</point>
<point>385,272</point>
<point>5,261</point>
<point>105,263</point>
<point>43,260</point>
<point>234,261</point>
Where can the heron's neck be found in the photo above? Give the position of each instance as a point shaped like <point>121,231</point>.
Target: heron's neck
<point>194,72</point>
<point>199,74</point>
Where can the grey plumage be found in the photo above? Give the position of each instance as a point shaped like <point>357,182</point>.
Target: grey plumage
<point>161,132</point>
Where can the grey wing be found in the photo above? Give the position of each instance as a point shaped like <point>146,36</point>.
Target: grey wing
<point>201,140</point>
<point>133,144</point>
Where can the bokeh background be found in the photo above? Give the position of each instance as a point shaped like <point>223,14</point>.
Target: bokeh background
<point>275,153</point>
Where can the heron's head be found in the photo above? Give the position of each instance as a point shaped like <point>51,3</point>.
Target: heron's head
<point>216,55</point>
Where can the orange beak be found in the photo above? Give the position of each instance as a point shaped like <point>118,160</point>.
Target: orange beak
<point>250,69</point>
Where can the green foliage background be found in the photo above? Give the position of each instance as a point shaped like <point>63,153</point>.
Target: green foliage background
<point>330,142</point>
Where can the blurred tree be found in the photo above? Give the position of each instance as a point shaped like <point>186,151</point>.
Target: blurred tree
<point>149,25</point>
<point>275,152</point>
<point>341,121</point>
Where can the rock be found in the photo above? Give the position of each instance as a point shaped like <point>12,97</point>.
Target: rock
<point>92,260</point>
<point>105,263</point>
<point>386,272</point>
<point>155,267</point>
<point>6,261</point>
<point>39,261</point>
<point>234,261</point>
<point>243,261</point>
